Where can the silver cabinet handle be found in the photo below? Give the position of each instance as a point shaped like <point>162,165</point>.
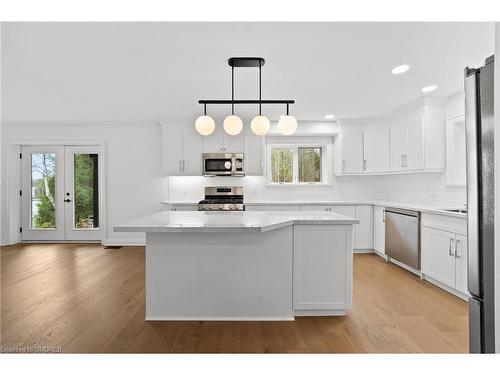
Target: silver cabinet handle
<point>383,216</point>
<point>343,165</point>
<point>450,252</point>
<point>402,161</point>
<point>406,161</point>
<point>457,245</point>
<point>184,165</point>
<point>364,164</point>
<point>180,165</point>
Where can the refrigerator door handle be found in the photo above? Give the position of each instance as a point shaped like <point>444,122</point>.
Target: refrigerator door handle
<point>471,137</point>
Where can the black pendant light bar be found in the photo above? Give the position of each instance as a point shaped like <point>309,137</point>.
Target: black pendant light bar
<point>246,62</point>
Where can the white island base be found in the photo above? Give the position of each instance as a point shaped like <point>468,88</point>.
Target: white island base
<point>298,265</point>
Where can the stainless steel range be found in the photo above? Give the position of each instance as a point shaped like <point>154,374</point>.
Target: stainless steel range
<point>222,198</point>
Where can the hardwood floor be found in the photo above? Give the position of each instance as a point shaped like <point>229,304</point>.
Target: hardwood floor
<point>84,298</point>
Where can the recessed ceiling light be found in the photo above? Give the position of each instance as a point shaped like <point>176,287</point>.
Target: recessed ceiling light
<point>429,88</point>
<point>400,69</point>
<point>329,117</point>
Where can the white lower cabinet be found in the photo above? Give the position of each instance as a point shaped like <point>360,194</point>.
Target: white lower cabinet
<point>364,230</point>
<point>322,278</point>
<point>444,258</point>
<point>379,229</point>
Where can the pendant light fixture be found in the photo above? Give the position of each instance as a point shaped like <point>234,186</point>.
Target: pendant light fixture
<point>260,124</point>
<point>205,125</point>
<point>287,124</point>
<point>233,124</point>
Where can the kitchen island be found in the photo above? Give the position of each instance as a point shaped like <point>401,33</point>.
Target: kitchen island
<point>246,265</point>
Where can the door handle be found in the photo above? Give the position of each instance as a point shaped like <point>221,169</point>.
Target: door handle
<point>67,200</point>
<point>450,253</point>
<point>457,243</point>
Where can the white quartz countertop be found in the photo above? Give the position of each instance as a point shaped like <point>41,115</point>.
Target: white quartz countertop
<point>408,206</point>
<point>233,221</point>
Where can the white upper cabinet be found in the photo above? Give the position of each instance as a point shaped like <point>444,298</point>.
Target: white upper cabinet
<point>376,147</point>
<point>417,140</point>
<point>220,141</point>
<point>351,156</point>
<point>181,150</point>
<point>412,141</point>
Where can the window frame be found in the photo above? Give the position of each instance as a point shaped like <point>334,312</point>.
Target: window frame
<point>295,164</point>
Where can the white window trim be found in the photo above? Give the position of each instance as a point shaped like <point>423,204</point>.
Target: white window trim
<point>295,166</point>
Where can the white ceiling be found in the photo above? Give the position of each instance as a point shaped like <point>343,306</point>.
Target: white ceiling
<point>149,71</point>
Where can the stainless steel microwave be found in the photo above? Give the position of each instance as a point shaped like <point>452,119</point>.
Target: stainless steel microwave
<point>223,164</point>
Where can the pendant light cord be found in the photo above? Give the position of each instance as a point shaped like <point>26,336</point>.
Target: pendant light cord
<point>260,88</point>
<point>232,90</point>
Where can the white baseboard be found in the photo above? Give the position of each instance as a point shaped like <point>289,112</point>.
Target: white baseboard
<point>319,312</point>
<point>441,285</point>
<point>219,318</point>
<point>363,251</point>
<point>124,242</point>
<point>380,254</point>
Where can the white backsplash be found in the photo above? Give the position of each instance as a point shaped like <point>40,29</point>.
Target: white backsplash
<point>420,188</point>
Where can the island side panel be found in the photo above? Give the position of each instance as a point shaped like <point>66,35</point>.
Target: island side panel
<point>219,276</point>
<point>322,269</point>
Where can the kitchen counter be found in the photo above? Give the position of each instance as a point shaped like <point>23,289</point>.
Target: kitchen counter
<point>229,221</point>
<point>408,206</point>
<point>246,265</point>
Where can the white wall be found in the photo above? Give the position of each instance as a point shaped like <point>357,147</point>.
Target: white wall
<point>134,185</point>
<point>421,188</point>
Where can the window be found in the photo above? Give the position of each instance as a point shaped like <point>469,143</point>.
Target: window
<point>296,164</point>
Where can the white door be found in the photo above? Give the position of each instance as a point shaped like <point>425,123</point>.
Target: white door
<point>352,149</point>
<point>376,148</point>
<point>438,255</point>
<point>81,195</point>
<point>42,193</point>
<point>60,193</point>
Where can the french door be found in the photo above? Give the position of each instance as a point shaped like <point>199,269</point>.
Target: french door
<point>60,193</point>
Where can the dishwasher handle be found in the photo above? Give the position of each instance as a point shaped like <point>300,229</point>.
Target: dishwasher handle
<point>403,212</point>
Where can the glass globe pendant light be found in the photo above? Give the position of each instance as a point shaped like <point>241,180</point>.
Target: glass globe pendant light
<point>205,125</point>
<point>232,124</point>
<point>260,124</point>
<point>287,124</point>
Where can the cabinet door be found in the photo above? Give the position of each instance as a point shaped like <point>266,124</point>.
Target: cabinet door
<point>172,149</point>
<point>320,263</point>
<point>397,146</point>
<point>461,263</point>
<point>191,152</point>
<point>415,144</point>
<point>438,255</point>
<point>233,143</point>
<point>376,148</point>
<point>379,229</point>
<point>364,230</point>
<point>352,149</point>
<point>215,141</point>
<point>254,154</point>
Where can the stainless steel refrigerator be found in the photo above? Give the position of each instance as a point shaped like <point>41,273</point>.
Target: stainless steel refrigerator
<point>479,126</point>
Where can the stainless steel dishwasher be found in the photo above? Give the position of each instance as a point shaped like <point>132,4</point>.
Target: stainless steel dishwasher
<point>402,236</point>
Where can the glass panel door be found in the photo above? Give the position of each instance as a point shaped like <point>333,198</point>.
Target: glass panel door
<point>42,189</point>
<point>82,193</point>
